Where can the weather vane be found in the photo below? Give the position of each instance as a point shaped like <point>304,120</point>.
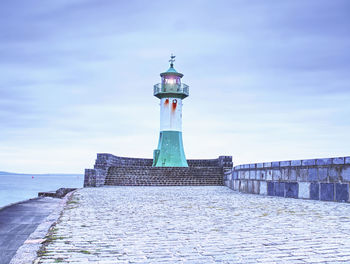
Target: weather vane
<point>172,59</point>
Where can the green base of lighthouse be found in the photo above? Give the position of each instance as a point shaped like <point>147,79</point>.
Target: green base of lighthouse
<point>170,152</point>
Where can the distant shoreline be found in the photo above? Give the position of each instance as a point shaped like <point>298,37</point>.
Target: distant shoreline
<point>4,173</point>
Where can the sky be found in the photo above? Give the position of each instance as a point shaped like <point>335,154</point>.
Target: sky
<point>269,80</point>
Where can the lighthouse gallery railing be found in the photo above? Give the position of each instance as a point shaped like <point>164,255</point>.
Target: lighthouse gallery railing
<point>171,88</point>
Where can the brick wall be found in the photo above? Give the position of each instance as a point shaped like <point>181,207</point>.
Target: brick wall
<point>319,179</point>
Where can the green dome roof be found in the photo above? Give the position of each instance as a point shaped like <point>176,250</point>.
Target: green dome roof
<point>171,71</point>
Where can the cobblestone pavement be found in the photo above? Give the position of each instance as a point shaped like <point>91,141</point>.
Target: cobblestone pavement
<point>197,225</point>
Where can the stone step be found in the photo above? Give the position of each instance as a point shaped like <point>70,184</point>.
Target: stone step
<point>150,176</point>
<point>164,176</point>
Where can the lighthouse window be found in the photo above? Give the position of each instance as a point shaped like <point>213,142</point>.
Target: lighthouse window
<point>170,81</point>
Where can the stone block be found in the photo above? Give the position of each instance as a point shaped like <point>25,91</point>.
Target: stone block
<point>243,187</point>
<point>258,174</point>
<point>323,161</point>
<point>275,164</point>
<point>236,185</point>
<point>90,178</point>
<point>342,192</point>
<point>252,166</point>
<point>312,175</point>
<point>252,174</point>
<point>334,174</point>
<point>276,175</point>
<point>314,191</point>
<point>304,190</point>
<point>302,175</point>
<point>250,187</point>
<point>322,174</point>
<point>308,162</point>
<point>230,178</point>
<point>246,174</point>
<point>293,174</point>
<point>263,187</point>
<point>291,189</point>
<point>345,174</point>
<point>239,185</point>
<point>260,165</point>
<point>235,175</point>
<point>285,163</point>
<point>285,174</point>
<point>269,175</point>
<point>347,160</point>
<point>327,192</point>
<point>295,162</point>
<point>279,189</point>
<point>256,187</point>
<point>267,164</point>
<point>339,160</point>
<point>271,188</point>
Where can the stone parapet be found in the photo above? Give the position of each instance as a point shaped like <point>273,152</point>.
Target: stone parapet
<point>325,179</point>
<point>105,160</point>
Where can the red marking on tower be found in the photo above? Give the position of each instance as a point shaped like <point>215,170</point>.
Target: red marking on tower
<point>166,102</point>
<point>174,105</point>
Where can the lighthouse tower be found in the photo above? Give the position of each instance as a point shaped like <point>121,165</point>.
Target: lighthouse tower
<point>171,92</point>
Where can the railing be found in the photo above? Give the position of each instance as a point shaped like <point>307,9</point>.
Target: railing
<point>171,88</point>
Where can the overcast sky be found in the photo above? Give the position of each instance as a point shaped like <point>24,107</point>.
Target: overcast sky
<point>269,80</point>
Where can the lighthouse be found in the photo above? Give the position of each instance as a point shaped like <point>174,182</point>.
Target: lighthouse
<point>171,92</point>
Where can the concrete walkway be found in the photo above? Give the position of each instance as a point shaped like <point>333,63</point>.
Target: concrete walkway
<point>18,221</point>
<point>197,225</point>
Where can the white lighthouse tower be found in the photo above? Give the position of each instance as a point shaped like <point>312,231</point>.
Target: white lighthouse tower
<point>171,92</point>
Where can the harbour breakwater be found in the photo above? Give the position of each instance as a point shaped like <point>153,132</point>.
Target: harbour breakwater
<point>325,179</point>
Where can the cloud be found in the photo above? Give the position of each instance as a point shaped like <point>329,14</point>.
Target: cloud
<point>268,79</point>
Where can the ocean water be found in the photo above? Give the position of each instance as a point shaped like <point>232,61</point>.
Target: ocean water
<point>19,187</point>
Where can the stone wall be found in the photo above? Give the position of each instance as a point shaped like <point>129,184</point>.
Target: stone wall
<point>107,160</point>
<point>164,176</point>
<point>221,161</point>
<point>318,179</point>
<point>97,177</point>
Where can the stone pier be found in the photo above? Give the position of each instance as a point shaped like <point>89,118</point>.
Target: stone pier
<point>196,224</point>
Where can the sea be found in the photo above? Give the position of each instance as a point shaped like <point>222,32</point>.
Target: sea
<point>19,187</point>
